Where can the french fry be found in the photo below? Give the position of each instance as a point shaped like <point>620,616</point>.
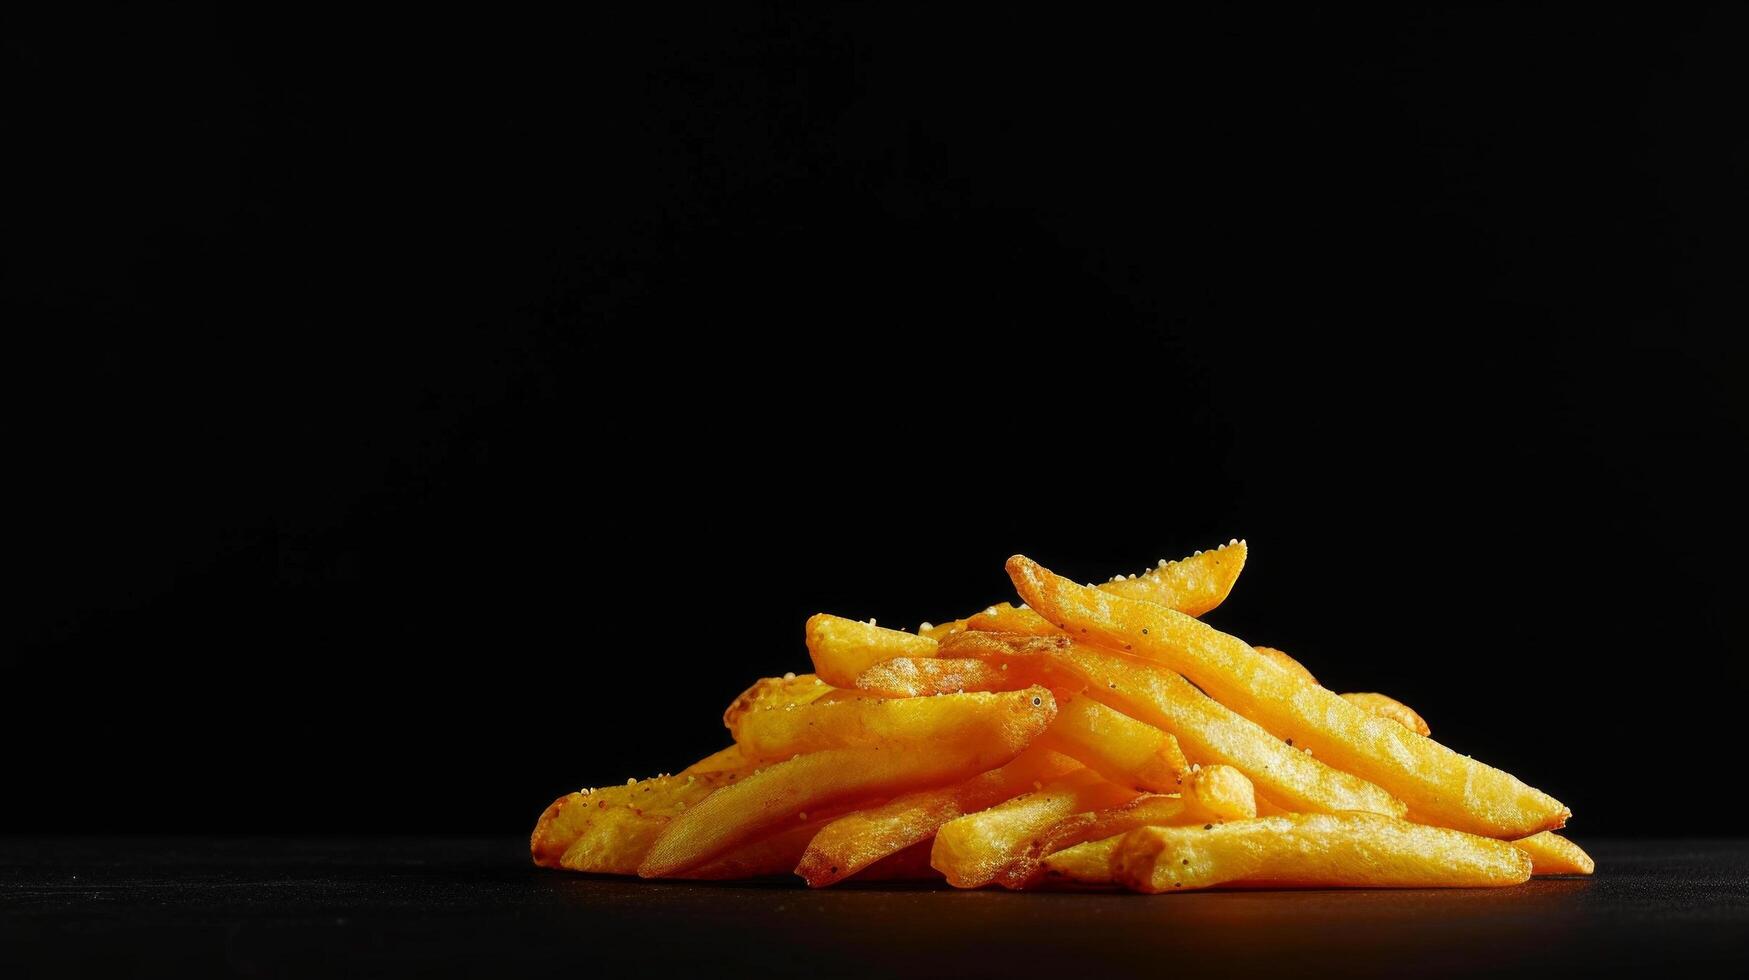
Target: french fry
<point>608,830</point>
<point>1552,854</point>
<point>1208,732</point>
<point>1314,850</point>
<point>843,648</point>
<point>1389,709</point>
<point>1212,794</point>
<point>1126,751</point>
<point>773,857</point>
<point>1192,586</point>
<point>722,760</point>
<point>1293,666</point>
<point>866,837</point>
<point>868,720</point>
<point>940,631</point>
<point>791,690</point>
<point>1005,617</point>
<point>1439,785</point>
<point>911,677</point>
<point>769,799</point>
<point>910,864</point>
<point>971,851</point>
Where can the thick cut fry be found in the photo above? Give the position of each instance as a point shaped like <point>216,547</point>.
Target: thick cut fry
<point>1293,666</point>
<point>1552,854</point>
<point>1120,748</point>
<point>971,851</point>
<point>862,839</point>
<point>772,797</point>
<point>1313,850</point>
<point>1439,785</point>
<point>1208,732</point>
<point>910,677</point>
<point>867,720</point>
<point>1212,794</point>
<point>1389,709</point>
<point>608,830</point>
<point>843,648</point>
<point>1191,585</point>
<point>774,692</point>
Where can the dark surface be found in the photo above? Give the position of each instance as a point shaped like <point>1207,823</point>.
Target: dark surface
<point>474,907</point>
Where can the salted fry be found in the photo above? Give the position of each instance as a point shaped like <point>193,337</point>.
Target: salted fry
<point>791,690</point>
<point>859,840</point>
<point>843,648</point>
<point>1207,732</point>
<point>971,851</point>
<point>1439,785</point>
<point>1192,586</point>
<point>1389,709</point>
<point>760,803</point>
<point>1212,794</point>
<point>940,631</point>
<point>1310,850</point>
<point>1293,666</point>
<point>1120,748</point>
<point>1552,854</point>
<point>608,830</point>
<point>1005,617</point>
<point>911,677</point>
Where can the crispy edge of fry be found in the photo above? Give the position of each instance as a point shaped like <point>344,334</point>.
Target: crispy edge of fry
<point>722,760</point>
<point>1207,731</point>
<point>1438,785</point>
<point>1212,794</point>
<point>843,648</point>
<point>1122,749</point>
<point>1552,854</point>
<point>940,631</point>
<point>1315,850</point>
<point>1293,666</point>
<point>771,857</point>
<point>1192,585</point>
<point>610,813</point>
<point>860,839</point>
<point>791,689</point>
<point>972,851</point>
<point>759,803</point>
<point>1390,709</point>
<point>913,677</point>
<point>1005,617</point>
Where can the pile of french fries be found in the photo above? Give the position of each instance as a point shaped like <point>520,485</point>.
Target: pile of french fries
<point>1090,736</point>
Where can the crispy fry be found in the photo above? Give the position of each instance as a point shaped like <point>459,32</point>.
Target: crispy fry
<point>1552,854</point>
<point>774,692</point>
<point>910,864</point>
<point>722,760</point>
<point>1192,586</point>
<point>1293,666</point>
<point>971,851</point>
<point>1390,709</point>
<point>1120,748</point>
<point>770,798</point>
<point>940,631</point>
<point>773,857</point>
<point>868,720</point>
<point>1005,617</point>
<point>910,677</point>
<point>608,830</point>
<point>843,648</point>
<point>1212,794</point>
<point>861,839</point>
<point>1208,732</point>
<point>1315,850</point>
<point>1439,785</point>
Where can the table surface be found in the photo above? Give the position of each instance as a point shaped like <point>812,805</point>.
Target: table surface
<point>393,907</point>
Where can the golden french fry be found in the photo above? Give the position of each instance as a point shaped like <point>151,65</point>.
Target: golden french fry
<point>791,690</point>
<point>910,864</point>
<point>868,720</point>
<point>1191,585</point>
<point>1120,748</point>
<point>767,800</point>
<point>1390,709</point>
<point>868,837</point>
<point>1315,850</point>
<point>1005,617</point>
<point>1212,794</point>
<point>1293,666</point>
<point>971,851</point>
<point>722,760</point>
<point>1552,854</point>
<point>773,857</point>
<point>911,677</point>
<point>939,631</point>
<point>843,648</point>
<point>1439,785</point>
<point>608,830</point>
<point>1208,732</point>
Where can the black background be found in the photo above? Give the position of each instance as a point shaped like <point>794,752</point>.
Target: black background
<point>425,415</point>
